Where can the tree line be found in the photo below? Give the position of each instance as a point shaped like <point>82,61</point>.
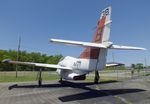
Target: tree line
<point>137,66</point>
<point>39,58</point>
<point>27,57</point>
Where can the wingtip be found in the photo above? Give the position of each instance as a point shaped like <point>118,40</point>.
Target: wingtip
<point>6,61</point>
<point>144,49</point>
<point>51,40</point>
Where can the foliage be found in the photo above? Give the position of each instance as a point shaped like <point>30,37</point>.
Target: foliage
<point>133,66</point>
<point>137,66</point>
<point>122,67</point>
<point>27,57</point>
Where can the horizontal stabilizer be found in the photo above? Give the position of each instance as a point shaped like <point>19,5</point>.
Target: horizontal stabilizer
<point>8,61</point>
<point>126,47</point>
<point>112,64</point>
<point>78,43</point>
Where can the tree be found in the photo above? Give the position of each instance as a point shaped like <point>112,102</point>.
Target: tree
<point>139,66</point>
<point>27,57</point>
<point>133,66</point>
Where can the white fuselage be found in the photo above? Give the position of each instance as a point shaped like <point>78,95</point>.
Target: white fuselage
<point>79,67</point>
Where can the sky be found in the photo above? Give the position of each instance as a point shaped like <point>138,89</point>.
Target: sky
<point>37,21</point>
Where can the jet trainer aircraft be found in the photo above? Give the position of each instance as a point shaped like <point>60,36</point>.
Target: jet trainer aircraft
<point>93,58</point>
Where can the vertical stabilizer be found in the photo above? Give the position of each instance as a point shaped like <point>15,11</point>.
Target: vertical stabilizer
<point>103,26</point>
<point>101,35</point>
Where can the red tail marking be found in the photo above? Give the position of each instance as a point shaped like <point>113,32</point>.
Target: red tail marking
<point>99,31</point>
<point>93,53</point>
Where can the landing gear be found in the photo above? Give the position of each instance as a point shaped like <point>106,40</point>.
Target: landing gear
<point>40,78</point>
<point>96,79</point>
<point>61,80</point>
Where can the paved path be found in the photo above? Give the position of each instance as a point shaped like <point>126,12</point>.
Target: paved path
<point>135,91</point>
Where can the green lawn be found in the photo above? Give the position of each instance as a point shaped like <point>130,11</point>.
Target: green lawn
<point>25,76</point>
<point>32,76</point>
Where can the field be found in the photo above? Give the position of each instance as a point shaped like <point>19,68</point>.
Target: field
<point>112,75</point>
<point>26,76</point>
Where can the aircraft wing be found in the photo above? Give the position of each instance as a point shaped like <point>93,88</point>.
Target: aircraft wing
<point>126,47</point>
<point>78,43</point>
<point>8,61</point>
<point>112,64</point>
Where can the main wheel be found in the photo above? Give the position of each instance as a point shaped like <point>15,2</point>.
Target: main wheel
<point>60,80</point>
<point>96,79</point>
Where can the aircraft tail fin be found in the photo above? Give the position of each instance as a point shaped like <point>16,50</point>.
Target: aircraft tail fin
<point>101,35</point>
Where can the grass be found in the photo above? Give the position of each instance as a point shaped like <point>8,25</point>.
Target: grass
<point>147,74</point>
<point>25,76</point>
<point>32,76</point>
<point>102,79</point>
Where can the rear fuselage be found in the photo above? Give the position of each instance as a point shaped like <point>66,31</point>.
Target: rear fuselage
<point>91,58</point>
<point>80,66</point>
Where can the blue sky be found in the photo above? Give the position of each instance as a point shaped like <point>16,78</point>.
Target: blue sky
<point>36,21</point>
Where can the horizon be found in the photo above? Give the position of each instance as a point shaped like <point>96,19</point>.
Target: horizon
<point>38,21</point>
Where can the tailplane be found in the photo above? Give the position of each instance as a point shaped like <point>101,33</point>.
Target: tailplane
<point>97,49</point>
